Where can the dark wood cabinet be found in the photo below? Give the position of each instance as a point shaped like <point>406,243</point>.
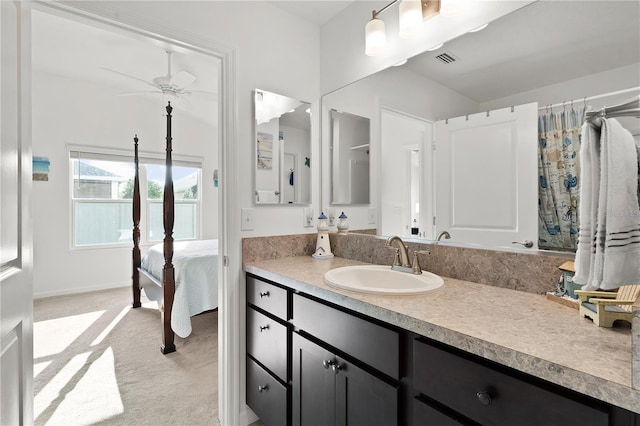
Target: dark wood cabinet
<point>268,352</point>
<point>475,391</point>
<point>329,390</point>
<point>310,362</point>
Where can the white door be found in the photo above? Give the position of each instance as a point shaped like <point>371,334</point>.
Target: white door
<point>16,286</point>
<point>405,195</point>
<point>486,177</point>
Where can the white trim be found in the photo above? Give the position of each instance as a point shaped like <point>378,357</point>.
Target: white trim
<point>230,387</point>
<point>143,156</point>
<point>84,289</point>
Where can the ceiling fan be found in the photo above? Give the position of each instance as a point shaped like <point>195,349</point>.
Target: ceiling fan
<point>174,85</point>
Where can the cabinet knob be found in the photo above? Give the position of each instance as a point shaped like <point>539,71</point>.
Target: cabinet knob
<point>337,367</point>
<point>264,327</point>
<point>484,398</point>
<point>327,363</point>
<point>264,294</point>
<point>263,388</point>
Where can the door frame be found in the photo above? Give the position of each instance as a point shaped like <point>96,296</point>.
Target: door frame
<point>232,411</point>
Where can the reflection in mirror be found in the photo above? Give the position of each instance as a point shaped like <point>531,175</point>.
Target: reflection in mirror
<point>283,149</point>
<point>540,54</point>
<point>349,158</point>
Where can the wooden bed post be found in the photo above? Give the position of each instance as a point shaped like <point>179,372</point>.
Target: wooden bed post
<point>168,272</point>
<point>135,277</point>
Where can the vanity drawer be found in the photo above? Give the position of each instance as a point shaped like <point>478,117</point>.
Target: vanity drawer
<point>492,397</point>
<point>266,396</point>
<point>267,341</point>
<point>267,297</point>
<point>425,415</point>
<point>364,340</point>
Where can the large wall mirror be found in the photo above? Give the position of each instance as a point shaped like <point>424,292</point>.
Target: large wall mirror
<point>283,149</point>
<point>447,152</point>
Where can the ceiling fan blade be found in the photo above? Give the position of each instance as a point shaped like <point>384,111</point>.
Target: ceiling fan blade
<point>203,94</point>
<point>128,76</point>
<point>182,79</point>
<point>140,93</point>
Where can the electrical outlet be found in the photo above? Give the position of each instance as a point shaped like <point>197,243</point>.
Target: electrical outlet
<point>246,218</point>
<point>307,217</point>
<point>372,215</point>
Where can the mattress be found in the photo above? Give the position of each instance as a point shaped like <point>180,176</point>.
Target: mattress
<point>196,275</point>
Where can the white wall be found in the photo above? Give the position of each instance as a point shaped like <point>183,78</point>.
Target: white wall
<point>71,112</point>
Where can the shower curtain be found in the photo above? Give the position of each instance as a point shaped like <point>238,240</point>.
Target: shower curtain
<point>559,185</point>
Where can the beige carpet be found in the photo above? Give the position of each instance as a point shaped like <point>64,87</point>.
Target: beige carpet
<point>98,362</point>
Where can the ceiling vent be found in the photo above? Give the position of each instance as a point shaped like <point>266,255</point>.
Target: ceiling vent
<point>446,58</point>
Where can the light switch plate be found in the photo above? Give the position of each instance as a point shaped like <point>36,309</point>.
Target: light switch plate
<point>372,215</point>
<point>246,219</point>
<point>307,217</point>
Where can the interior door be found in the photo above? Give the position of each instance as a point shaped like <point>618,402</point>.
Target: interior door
<point>16,286</point>
<point>486,177</point>
<point>402,135</point>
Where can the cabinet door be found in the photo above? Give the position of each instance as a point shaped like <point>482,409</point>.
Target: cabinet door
<point>362,399</point>
<point>313,384</point>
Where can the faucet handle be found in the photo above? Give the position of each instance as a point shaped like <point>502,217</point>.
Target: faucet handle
<point>416,269</point>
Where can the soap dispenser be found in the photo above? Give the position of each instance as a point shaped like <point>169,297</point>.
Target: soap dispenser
<point>323,246</point>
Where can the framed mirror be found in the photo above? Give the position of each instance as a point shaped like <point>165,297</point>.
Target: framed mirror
<point>283,149</point>
<point>540,54</point>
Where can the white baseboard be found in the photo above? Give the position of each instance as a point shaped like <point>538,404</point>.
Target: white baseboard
<point>78,290</point>
<point>247,416</point>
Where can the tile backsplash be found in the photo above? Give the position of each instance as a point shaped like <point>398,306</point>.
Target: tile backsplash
<point>530,272</point>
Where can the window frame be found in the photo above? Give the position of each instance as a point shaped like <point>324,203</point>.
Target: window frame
<point>145,158</point>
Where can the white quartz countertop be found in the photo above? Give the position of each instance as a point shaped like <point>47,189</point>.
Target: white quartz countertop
<point>521,330</point>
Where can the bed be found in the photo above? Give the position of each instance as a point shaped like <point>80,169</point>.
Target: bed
<point>181,276</point>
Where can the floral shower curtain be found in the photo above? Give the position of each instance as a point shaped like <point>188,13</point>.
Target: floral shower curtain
<point>559,173</point>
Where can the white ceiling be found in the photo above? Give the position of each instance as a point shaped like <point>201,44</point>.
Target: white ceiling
<point>314,11</point>
<point>80,51</point>
<point>541,44</point>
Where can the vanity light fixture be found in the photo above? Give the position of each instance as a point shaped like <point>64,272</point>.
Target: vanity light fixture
<point>411,12</point>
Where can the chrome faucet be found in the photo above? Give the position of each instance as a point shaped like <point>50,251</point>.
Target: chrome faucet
<point>401,260</point>
<point>444,234</point>
<point>402,255</point>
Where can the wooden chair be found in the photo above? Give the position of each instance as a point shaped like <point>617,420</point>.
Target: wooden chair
<point>605,307</point>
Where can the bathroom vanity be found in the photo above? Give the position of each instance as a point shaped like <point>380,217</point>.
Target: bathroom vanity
<point>464,355</point>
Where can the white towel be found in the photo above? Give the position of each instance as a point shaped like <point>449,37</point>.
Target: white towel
<point>589,190</point>
<point>621,225</point>
<point>267,196</point>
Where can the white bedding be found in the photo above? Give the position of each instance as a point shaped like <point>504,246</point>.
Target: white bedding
<point>196,273</point>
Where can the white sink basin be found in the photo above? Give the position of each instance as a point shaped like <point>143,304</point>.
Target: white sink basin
<point>381,279</point>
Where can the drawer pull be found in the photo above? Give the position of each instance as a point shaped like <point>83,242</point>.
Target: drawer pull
<point>264,327</point>
<point>263,388</point>
<point>264,294</point>
<point>337,367</point>
<point>484,398</point>
<point>327,363</point>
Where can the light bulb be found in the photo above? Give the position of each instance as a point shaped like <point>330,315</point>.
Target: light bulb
<point>375,37</point>
<point>410,12</point>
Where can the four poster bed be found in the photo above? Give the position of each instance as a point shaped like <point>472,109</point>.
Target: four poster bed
<point>180,276</point>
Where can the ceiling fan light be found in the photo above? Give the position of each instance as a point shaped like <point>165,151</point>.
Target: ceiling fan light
<point>375,37</point>
<point>410,12</point>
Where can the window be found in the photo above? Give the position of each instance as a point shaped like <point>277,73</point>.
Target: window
<point>102,198</point>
